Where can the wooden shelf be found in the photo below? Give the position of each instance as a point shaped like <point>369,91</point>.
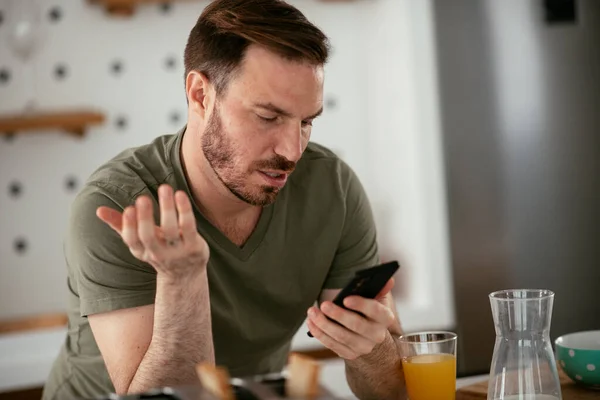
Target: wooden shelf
<point>30,323</point>
<point>126,8</point>
<point>74,122</point>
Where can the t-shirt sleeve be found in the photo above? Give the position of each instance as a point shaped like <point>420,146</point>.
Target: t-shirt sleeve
<point>103,272</point>
<point>357,248</point>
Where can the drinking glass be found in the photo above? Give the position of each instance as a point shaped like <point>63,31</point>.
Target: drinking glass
<point>429,363</point>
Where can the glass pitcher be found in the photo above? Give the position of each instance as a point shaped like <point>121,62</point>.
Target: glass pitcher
<point>523,365</point>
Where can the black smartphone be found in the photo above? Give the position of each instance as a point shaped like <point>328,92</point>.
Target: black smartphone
<point>366,283</point>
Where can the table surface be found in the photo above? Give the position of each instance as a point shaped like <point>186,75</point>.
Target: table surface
<point>26,358</point>
<point>570,390</point>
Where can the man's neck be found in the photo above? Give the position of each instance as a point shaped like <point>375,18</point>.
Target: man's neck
<point>210,195</point>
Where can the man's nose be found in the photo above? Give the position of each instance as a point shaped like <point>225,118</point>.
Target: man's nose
<point>289,143</point>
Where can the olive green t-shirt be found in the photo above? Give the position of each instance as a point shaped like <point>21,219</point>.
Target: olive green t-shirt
<point>316,234</point>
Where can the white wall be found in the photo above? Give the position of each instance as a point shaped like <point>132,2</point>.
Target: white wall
<point>406,150</point>
<point>384,123</point>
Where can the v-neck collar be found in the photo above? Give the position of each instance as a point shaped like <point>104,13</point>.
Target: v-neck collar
<point>205,227</point>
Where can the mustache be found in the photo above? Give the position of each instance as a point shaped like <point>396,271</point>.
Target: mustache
<point>278,162</point>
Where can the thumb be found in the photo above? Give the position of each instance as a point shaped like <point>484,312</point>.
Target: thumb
<point>386,289</point>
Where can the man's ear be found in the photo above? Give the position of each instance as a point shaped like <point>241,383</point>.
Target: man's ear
<point>200,93</point>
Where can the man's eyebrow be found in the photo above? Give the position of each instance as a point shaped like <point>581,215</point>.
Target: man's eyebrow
<point>315,115</point>
<point>273,108</point>
<point>280,111</point>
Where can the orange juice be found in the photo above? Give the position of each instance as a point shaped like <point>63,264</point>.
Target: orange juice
<point>430,376</point>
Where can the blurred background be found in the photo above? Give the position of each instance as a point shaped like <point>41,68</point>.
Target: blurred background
<point>474,126</point>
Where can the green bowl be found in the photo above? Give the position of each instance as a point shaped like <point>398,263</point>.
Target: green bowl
<point>579,356</point>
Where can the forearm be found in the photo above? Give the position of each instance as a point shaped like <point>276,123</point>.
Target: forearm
<point>182,334</point>
<point>377,375</point>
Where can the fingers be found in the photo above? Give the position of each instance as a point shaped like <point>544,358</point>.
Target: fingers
<point>111,217</point>
<point>137,227</point>
<point>371,308</point>
<point>386,289</point>
<point>130,232</point>
<point>187,221</point>
<point>351,320</point>
<point>341,350</point>
<point>168,214</point>
<point>359,345</point>
<point>145,223</point>
<point>115,220</point>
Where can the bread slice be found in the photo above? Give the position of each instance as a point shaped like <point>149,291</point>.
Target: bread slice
<point>303,377</point>
<point>215,380</point>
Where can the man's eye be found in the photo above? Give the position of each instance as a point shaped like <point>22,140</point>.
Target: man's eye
<point>266,119</point>
<point>307,123</point>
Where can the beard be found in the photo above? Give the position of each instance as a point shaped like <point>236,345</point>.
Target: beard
<point>222,155</point>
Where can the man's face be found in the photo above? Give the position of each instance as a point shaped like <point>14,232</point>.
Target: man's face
<point>261,124</point>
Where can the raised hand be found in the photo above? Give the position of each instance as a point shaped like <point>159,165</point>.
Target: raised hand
<point>174,249</point>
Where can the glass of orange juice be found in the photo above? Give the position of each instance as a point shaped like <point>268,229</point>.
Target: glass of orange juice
<point>429,364</point>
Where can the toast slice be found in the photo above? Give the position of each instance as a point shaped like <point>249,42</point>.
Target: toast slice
<point>215,380</point>
<point>303,377</point>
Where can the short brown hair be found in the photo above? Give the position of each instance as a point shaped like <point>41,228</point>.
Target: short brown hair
<point>218,42</point>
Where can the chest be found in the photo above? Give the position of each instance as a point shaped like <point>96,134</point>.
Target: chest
<point>278,278</point>
<point>260,292</point>
<point>238,230</point>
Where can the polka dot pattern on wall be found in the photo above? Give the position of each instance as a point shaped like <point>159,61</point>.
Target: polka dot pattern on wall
<point>71,183</point>
<point>89,59</point>
<point>117,67</point>
<point>61,71</point>
<point>20,245</point>
<point>121,123</point>
<point>175,117</point>
<point>166,7</point>
<point>55,14</point>
<point>4,75</point>
<point>331,103</point>
<point>15,189</point>
<point>170,63</point>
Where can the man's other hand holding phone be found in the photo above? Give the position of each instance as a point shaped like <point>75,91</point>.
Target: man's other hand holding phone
<point>357,329</point>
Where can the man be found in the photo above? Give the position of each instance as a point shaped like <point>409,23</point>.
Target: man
<point>214,244</point>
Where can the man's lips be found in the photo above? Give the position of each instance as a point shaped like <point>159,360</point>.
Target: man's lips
<point>275,178</point>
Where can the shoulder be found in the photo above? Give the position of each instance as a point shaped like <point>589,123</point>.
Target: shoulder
<point>133,170</point>
<point>315,151</point>
<point>322,167</point>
